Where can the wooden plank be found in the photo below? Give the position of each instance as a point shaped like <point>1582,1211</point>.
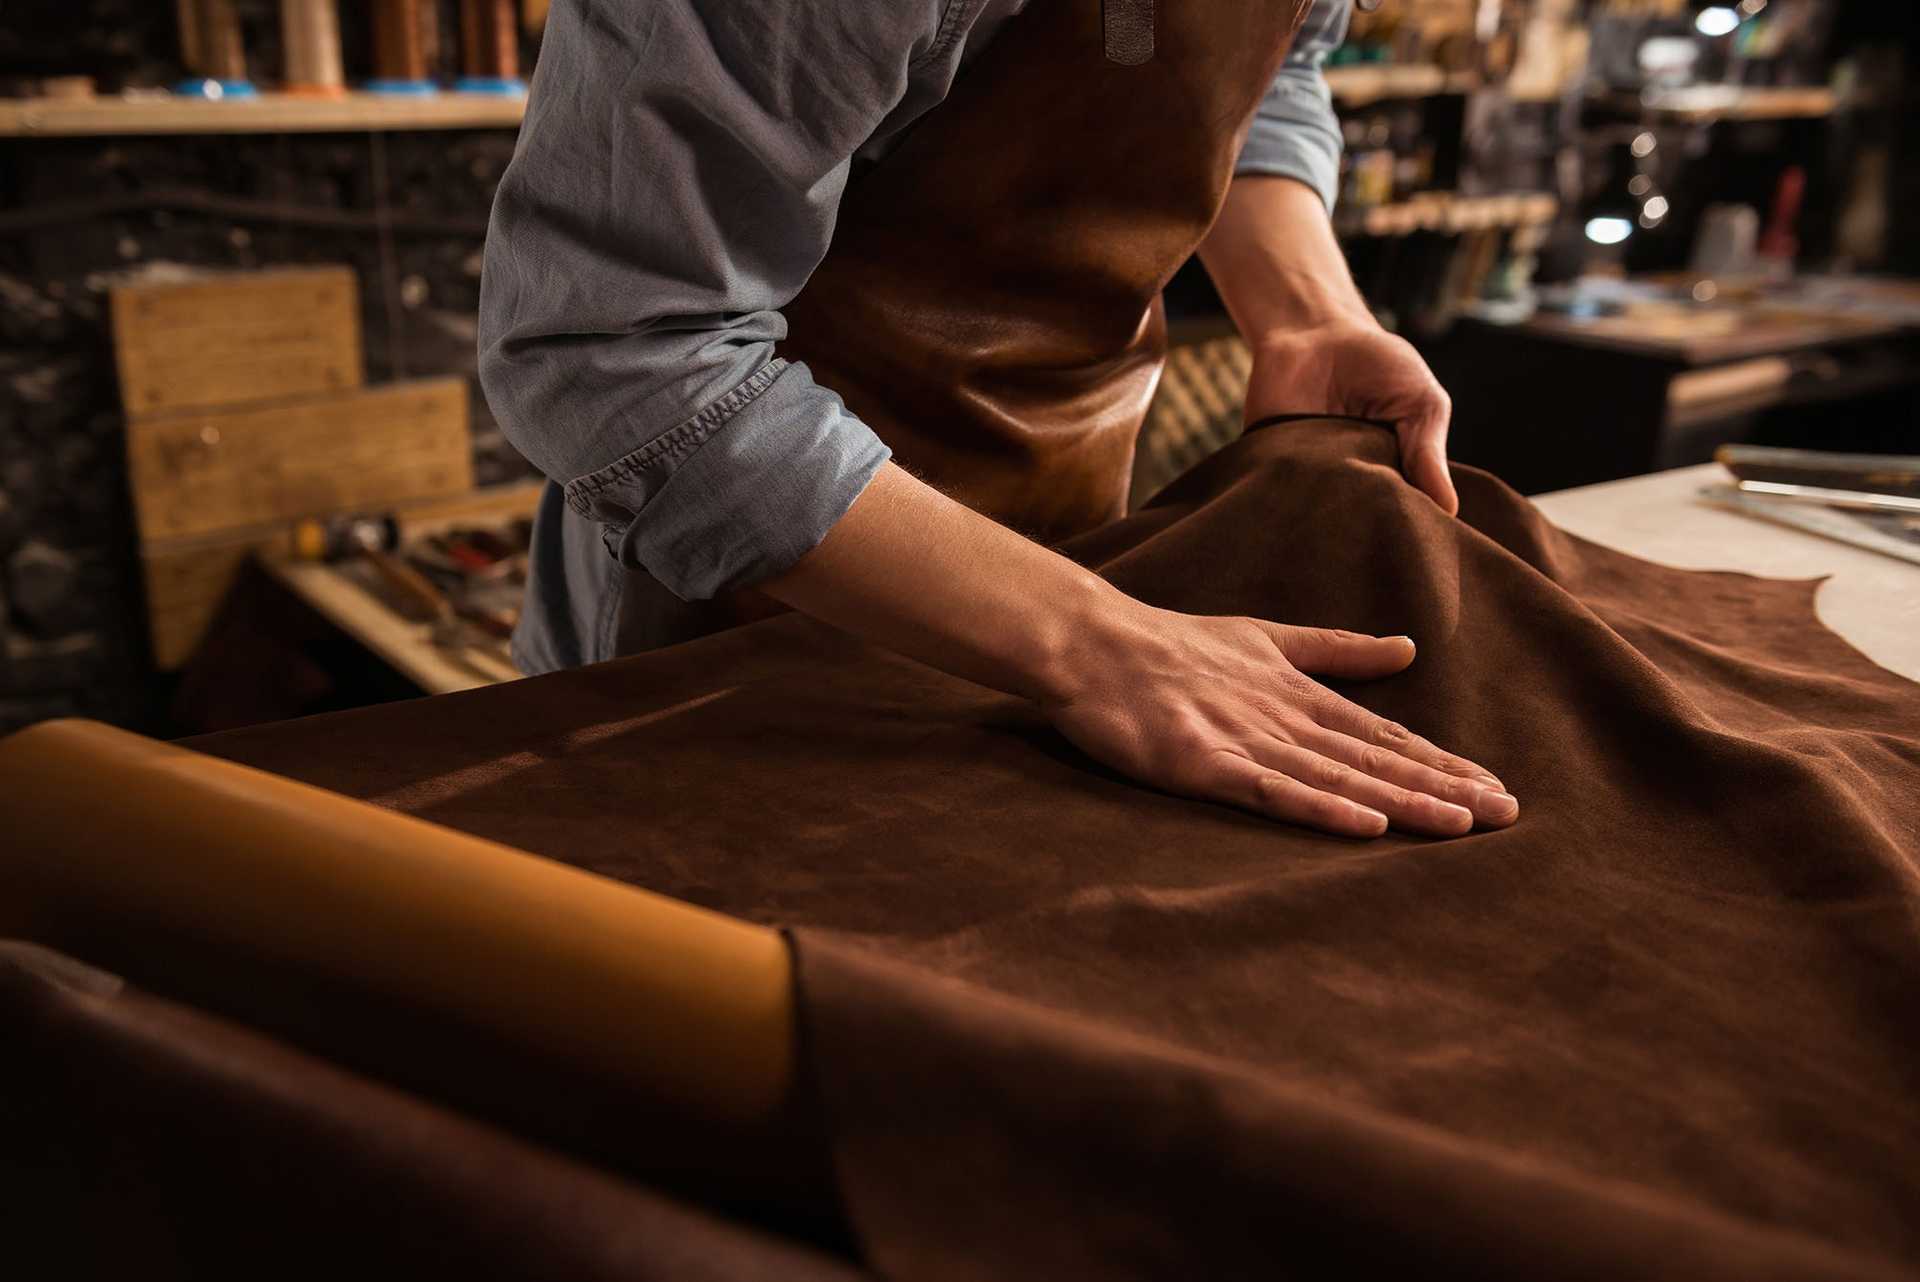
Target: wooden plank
<point>152,113</point>
<point>220,469</point>
<point>236,338</point>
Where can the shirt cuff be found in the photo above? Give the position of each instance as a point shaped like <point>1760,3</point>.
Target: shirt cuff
<point>1296,134</point>
<point>740,491</point>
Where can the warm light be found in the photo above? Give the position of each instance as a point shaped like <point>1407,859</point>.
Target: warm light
<point>1655,208</point>
<point>1705,291</point>
<point>1639,184</point>
<point>1716,21</point>
<point>1608,231</point>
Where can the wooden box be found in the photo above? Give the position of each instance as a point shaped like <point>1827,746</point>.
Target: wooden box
<point>213,470</point>
<point>236,338</point>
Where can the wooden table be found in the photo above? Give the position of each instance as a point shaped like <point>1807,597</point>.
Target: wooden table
<point>1873,601</point>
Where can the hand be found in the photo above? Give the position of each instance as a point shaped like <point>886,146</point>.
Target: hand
<point>1222,709</point>
<point>1354,367</point>
<point>1214,708</point>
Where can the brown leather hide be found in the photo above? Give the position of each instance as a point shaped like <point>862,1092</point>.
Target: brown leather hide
<point>1668,1025</point>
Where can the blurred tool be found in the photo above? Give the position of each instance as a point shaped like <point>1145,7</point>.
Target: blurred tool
<point>1727,241</point>
<point>1780,243</point>
<point>375,539</point>
<point>1890,475</point>
<point>1853,500</point>
<point>1869,500</point>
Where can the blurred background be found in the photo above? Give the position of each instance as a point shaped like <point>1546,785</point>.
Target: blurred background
<point>246,473</point>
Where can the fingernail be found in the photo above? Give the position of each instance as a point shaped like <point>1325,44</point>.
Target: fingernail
<point>1373,815</point>
<point>1402,637</point>
<point>1500,805</point>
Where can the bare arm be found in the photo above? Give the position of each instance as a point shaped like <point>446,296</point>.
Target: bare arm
<point>1216,708</point>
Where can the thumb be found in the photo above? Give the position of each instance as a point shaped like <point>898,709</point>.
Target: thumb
<point>1336,653</point>
<point>1423,457</point>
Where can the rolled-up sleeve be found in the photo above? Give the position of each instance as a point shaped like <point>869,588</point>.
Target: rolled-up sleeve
<point>675,183</point>
<point>1295,133</point>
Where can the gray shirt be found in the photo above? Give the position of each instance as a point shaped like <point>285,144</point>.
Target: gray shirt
<point>675,184</point>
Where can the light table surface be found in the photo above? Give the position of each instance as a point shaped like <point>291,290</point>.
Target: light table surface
<point>1871,600</point>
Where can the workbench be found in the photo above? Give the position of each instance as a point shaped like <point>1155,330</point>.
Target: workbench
<point>1555,401</point>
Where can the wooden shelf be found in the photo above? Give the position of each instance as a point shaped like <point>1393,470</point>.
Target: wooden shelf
<point>1443,211</point>
<point>1359,84</point>
<point>266,114</point>
<point>1703,104</point>
<point>270,113</point>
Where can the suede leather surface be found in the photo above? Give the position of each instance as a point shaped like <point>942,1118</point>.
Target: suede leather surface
<point>1668,1025</point>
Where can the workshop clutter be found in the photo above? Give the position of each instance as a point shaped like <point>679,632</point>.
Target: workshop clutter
<point>246,413</point>
<point>435,586</point>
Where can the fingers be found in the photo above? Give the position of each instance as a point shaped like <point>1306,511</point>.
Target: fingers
<point>1372,731</point>
<point>1376,747</point>
<point>1489,806</point>
<point>1423,454</point>
<point>1241,781</point>
<point>1336,653</point>
<point>1408,809</point>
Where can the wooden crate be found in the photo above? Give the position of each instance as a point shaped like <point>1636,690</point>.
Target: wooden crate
<point>219,470</point>
<point>236,338</point>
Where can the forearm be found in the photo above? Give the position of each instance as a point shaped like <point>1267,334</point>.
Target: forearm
<point>913,570</point>
<point>1211,707</point>
<point>1274,260</point>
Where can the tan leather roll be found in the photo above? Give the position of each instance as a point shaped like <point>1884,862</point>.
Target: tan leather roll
<point>112,834</point>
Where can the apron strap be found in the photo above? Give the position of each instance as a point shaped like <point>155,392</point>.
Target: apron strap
<point>1128,28</point>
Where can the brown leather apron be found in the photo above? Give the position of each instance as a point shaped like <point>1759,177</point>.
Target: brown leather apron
<point>990,304</point>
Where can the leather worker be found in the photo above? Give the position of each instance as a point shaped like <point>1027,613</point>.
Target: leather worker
<point>853,307</point>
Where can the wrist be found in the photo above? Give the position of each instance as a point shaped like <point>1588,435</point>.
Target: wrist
<point>1077,625</point>
<point>1286,322</point>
